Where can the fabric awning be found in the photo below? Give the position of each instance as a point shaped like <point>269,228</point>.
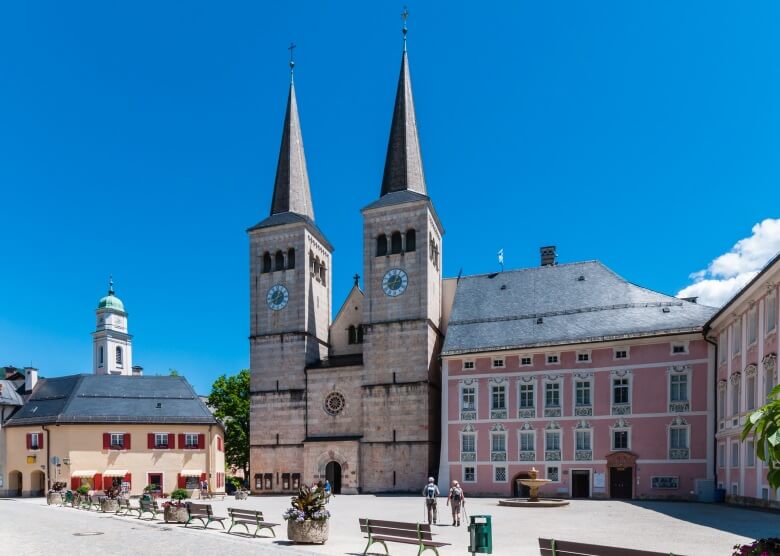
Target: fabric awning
<point>190,473</point>
<point>115,472</point>
<point>84,473</point>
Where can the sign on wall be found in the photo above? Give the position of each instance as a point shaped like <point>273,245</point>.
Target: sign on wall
<point>30,459</point>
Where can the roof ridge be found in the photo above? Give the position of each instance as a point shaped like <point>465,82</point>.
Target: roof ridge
<point>529,268</point>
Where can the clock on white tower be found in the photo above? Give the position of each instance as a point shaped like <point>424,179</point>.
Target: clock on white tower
<point>277,297</point>
<point>395,281</point>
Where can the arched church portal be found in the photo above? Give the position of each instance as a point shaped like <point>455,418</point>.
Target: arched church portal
<point>333,474</point>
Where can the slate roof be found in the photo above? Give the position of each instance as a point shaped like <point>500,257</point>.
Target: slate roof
<point>113,399</point>
<point>577,302</point>
<point>8,393</point>
<point>292,218</point>
<point>397,198</point>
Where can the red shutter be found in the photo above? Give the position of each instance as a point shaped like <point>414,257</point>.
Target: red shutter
<point>106,441</point>
<point>201,441</point>
<point>219,443</point>
<point>150,440</point>
<point>75,483</point>
<point>128,477</point>
<point>40,440</point>
<point>203,477</point>
<point>182,481</point>
<point>171,441</point>
<point>97,480</point>
<point>127,441</point>
<point>181,441</point>
<point>29,440</point>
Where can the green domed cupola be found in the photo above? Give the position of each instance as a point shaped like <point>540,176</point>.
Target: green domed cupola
<point>111,301</point>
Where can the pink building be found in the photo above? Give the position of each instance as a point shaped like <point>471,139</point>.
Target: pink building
<point>601,385</point>
<point>745,330</point>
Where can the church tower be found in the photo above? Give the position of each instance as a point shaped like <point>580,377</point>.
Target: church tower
<point>402,247</point>
<point>112,352</point>
<point>290,306</point>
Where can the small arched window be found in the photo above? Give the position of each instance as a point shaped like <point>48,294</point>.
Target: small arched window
<point>323,274</point>
<point>316,267</point>
<point>291,258</point>
<point>360,334</point>
<point>381,246</point>
<point>100,356</point>
<point>118,355</point>
<point>266,262</point>
<point>279,261</point>
<point>411,240</point>
<point>352,334</point>
<point>395,243</point>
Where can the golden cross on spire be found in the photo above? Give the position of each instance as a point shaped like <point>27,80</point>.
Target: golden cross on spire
<point>404,16</point>
<point>291,48</point>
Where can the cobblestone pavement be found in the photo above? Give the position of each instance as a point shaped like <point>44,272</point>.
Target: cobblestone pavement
<point>29,526</point>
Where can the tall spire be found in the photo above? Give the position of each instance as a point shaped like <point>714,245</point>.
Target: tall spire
<point>291,187</point>
<point>403,165</point>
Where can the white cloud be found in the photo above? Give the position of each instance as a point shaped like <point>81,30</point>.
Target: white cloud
<point>729,273</point>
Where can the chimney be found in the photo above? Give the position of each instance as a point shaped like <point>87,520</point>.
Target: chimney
<point>30,378</point>
<point>548,255</point>
<point>138,370</point>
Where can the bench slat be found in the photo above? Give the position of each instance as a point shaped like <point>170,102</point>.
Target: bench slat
<point>405,533</point>
<point>408,541</point>
<point>568,548</point>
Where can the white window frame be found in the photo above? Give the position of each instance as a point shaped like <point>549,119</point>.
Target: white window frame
<point>557,357</point>
<point>532,433</point>
<point>612,431</point>
<point>547,472</point>
<point>560,438</point>
<point>620,349</point>
<point>463,473</point>
<point>498,363</point>
<point>734,489</point>
<point>684,345</point>
<point>532,385</point>
<point>721,455</point>
<point>460,444</point>
<point>121,442</point>
<point>584,353</point>
<point>556,382</point>
<point>189,445</point>
<point>750,391</point>
<point>506,473</point>
<point>466,364</point>
<point>723,347</point>
<point>589,381</point>
<point>687,375</point>
<point>736,337</point>
<point>735,450</point>
<point>493,436</point>
<point>687,429</point>
<point>750,453</point>
<point>612,380</point>
<point>590,438</point>
<point>494,387</point>
<point>770,301</point>
<point>158,444</point>
<point>530,360</point>
<point>752,325</point>
<point>476,396</point>
<point>38,437</point>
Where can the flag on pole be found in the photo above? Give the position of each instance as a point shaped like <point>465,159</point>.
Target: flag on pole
<point>501,258</point>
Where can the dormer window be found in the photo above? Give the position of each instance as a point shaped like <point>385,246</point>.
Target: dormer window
<point>498,363</point>
<point>552,359</point>
<point>583,357</point>
<point>679,348</point>
<point>468,365</point>
<point>621,353</point>
<point>526,360</point>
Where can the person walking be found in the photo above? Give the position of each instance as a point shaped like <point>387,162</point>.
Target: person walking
<point>430,492</point>
<point>455,499</point>
<point>328,489</point>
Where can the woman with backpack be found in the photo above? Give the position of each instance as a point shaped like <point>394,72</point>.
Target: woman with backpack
<point>455,501</point>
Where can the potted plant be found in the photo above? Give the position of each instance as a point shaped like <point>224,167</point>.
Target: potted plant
<point>110,504</point>
<point>57,494</point>
<point>175,510</point>
<point>758,548</point>
<point>152,491</point>
<point>307,519</point>
<point>82,492</point>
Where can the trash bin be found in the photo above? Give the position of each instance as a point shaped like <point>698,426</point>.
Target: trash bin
<point>481,534</point>
<point>720,495</point>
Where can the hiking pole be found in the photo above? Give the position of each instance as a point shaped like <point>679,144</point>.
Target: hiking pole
<point>465,513</point>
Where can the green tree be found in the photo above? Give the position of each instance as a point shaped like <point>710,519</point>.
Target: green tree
<point>764,425</point>
<point>229,399</point>
<point>173,372</point>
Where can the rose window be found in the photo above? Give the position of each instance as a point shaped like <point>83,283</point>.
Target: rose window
<point>334,403</point>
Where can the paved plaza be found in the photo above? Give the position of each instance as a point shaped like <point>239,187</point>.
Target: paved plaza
<point>32,527</point>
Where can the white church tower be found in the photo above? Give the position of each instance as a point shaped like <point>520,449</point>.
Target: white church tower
<point>112,352</point>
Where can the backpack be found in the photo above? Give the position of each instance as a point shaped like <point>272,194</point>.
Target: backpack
<point>457,494</point>
<point>430,491</point>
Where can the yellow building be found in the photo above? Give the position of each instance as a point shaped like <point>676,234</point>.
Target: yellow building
<point>104,430</point>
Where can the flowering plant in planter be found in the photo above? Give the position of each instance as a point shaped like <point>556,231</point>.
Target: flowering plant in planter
<point>175,510</point>
<point>761,547</point>
<point>58,486</point>
<point>309,504</point>
<point>177,499</point>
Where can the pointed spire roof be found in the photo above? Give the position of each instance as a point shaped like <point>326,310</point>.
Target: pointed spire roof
<point>403,165</point>
<point>291,187</point>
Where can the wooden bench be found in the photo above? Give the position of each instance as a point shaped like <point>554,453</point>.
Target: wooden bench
<point>147,507</point>
<point>211,495</point>
<point>552,547</point>
<point>124,506</point>
<point>378,531</point>
<point>94,501</point>
<point>247,518</point>
<point>203,513</point>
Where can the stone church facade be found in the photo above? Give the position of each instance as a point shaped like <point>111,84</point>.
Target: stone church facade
<point>355,400</point>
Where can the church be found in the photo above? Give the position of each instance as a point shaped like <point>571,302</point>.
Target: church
<point>603,387</point>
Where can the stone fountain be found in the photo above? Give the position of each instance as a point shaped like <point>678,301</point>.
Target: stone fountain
<point>533,499</point>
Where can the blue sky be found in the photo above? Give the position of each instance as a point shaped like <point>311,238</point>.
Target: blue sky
<point>141,140</point>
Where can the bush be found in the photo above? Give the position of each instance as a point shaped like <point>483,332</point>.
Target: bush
<point>180,494</point>
<point>83,489</point>
<point>760,547</point>
<point>58,486</point>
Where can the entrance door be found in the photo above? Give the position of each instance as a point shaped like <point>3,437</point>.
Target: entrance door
<point>580,484</point>
<point>333,474</point>
<point>520,490</point>
<point>620,482</point>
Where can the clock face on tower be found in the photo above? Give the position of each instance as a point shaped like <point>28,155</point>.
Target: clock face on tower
<point>395,281</point>
<point>277,297</point>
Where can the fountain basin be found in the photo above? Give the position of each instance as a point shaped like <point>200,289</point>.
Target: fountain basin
<point>538,503</point>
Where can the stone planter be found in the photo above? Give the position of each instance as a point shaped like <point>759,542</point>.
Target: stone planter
<point>172,514</point>
<point>55,498</point>
<point>109,506</point>
<point>307,531</point>
<point>241,495</point>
